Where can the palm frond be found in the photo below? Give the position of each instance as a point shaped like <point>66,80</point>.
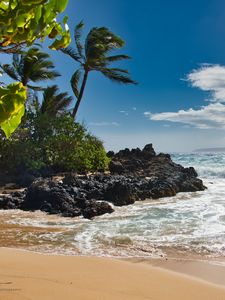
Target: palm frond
<point>16,60</point>
<point>43,75</point>
<point>54,102</point>
<point>35,88</point>
<point>72,53</point>
<point>48,95</point>
<point>113,58</point>
<point>77,36</point>
<point>101,41</point>
<point>62,101</point>
<point>10,71</point>
<point>75,82</point>
<point>117,76</point>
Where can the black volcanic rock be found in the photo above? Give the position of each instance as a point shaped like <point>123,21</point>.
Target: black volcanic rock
<point>96,208</point>
<point>120,193</point>
<point>50,196</point>
<point>135,175</point>
<point>13,200</point>
<point>55,198</point>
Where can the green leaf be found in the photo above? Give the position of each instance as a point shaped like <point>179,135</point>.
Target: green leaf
<point>22,22</point>
<point>75,82</point>
<point>12,100</point>
<point>10,125</point>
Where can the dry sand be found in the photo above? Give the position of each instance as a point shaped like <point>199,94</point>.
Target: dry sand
<point>31,276</point>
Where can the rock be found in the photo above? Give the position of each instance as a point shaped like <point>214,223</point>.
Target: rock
<point>11,201</point>
<point>119,193</point>
<point>116,167</point>
<point>169,177</point>
<point>135,175</point>
<point>148,151</point>
<point>96,208</point>
<point>54,198</point>
<point>25,179</point>
<point>49,196</point>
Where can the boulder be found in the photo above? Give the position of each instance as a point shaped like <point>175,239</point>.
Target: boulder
<point>119,193</point>
<point>135,175</point>
<point>51,197</point>
<point>96,208</point>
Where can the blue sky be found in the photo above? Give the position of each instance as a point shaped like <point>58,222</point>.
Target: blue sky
<point>178,58</point>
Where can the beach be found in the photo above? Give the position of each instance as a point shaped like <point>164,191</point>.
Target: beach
<point>171,248</point>
<point>26,275</point>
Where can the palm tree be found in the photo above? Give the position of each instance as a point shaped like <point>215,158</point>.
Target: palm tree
<point>94,55</point>
<point>31,66</point>
<point>54,102</point>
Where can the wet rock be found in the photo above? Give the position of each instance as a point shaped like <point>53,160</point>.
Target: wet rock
<point>11,202</point>
<point>96,208</point>
<point>169,177</point>
<point>120,193</point>
<point>135,175</point>
<point>51,197</point>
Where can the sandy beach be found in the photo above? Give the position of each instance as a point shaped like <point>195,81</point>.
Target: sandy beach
<point>26,275</point>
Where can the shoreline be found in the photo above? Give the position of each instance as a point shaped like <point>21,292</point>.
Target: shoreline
<point>26,274</point>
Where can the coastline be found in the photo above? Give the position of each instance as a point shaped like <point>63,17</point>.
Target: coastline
<point>208,270</point>
<point>27,275</point>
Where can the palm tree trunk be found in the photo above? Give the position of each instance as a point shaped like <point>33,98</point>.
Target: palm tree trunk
<point>76,107</point>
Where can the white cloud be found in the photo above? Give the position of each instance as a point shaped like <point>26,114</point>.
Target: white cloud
<point>209,78</point>
<point>124,112</point>
<point>134,108</point>
<point>210,116</point>
<point>104,124</point>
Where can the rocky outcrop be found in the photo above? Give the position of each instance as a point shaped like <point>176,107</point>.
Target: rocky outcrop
<point>135,175</point>
<point>69,201</point>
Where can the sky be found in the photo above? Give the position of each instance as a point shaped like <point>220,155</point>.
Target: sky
<point>178,59</point>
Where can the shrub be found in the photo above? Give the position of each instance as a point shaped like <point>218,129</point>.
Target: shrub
<point>55,142</point>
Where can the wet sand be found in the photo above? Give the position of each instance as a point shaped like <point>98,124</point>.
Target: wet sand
<point>26,275</point>
<point>212,271</point>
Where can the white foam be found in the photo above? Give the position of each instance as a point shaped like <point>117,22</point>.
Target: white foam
<point>188,222</point>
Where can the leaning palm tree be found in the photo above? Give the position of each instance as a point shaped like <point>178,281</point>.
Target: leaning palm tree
<point>94,55</point>
<point>54,102</point>
<point>31,66</point>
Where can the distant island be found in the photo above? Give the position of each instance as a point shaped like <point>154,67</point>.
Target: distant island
<point>218,149</point>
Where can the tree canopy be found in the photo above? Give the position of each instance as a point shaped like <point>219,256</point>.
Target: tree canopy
<point>21,24</point>
<point>95,54</point>
<point>33,65</point>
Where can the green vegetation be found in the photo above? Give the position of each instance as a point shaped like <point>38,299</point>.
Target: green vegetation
<point>94,55</point>
<point>37,129</point>
<point>53,102</point>
<point>21,24</point>
<point>11,106</point>
<point>33,65</point>
<point>57,143</point>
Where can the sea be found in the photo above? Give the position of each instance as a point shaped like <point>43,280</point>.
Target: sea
<point>186,225</point>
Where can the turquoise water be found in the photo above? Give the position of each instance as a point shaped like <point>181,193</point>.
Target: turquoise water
<point>185,225</point>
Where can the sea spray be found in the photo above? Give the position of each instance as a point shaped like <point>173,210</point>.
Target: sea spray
<point>188,224</point>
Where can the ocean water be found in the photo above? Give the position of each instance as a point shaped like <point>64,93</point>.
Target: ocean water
<point>186,225</point>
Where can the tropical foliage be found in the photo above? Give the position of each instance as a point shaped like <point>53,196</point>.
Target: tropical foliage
<point>56,143</point>
<point>21,23</point>
<point>53,102</point>
<point>95,55</point>
<point>11,106</point>
<point>31,66</point>
<point>47,136</point>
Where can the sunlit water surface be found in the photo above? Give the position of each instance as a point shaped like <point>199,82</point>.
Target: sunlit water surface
<point>188,224</point>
